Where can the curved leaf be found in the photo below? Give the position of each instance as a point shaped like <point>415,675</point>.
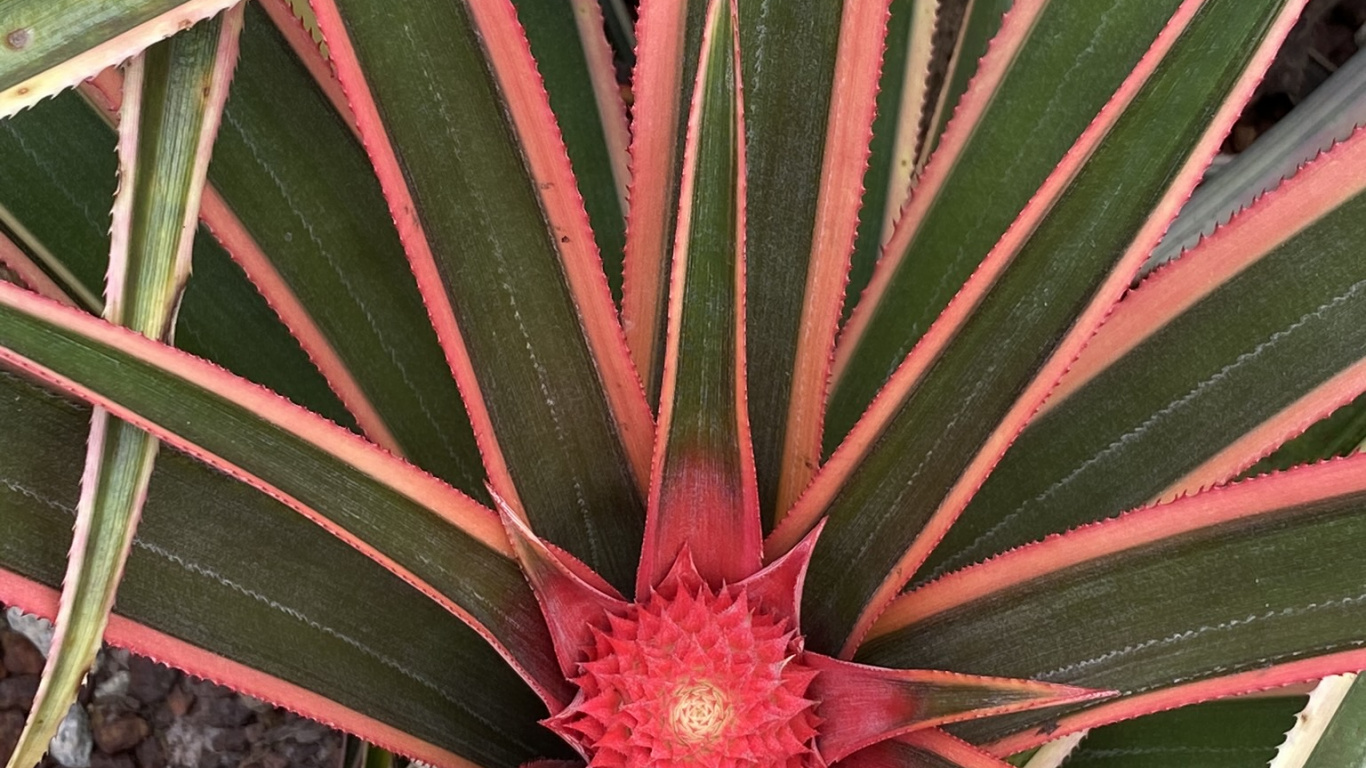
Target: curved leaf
<point>966,391</point>
<point>1179,377</point>
<point>441,541</point>
<point>458,127</point>
<point>223,568</point>
<point>164,153</point>
<point>1237,589</point>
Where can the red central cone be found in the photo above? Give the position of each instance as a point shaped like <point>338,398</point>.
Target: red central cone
<point>693,676</point>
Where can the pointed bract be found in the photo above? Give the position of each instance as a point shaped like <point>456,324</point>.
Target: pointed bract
<point>863,705</point>
<point>574,609</point>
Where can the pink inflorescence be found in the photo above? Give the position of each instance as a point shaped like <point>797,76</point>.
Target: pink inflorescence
<point>692,676</point>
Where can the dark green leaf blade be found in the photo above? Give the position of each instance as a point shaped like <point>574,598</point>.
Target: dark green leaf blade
<point>1240,588</point>
<point>1200,382</point>
<point>225,568</point>
<point>594,135</point>
<point>440,540</point>
<point>703,494</point>
<point>1070,62</point>
<point>788,69</point>
<point>559,411</point>
<point>1220,734</point>
<point>298,180</point>
<point>968,393</point>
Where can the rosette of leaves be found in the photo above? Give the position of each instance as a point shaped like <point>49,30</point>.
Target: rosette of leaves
<point>417,384</point>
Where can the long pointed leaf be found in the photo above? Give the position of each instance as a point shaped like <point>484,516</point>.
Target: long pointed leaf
<point>1176,380</point>
<point>1070,58</point>
<point>849,126</point>
<point>485,200</point>
<point>50,46</point>
<point>61,173</point>
<point>970,386</point>
<point>893,150</point>
<point>1234,590</point>
<point>240,589</point>
<point>807,63</point>
<point>572,54</point>
<point>670,35</point>
<point>393,512</point>
<point>170,126</point>
<point>702,490</point>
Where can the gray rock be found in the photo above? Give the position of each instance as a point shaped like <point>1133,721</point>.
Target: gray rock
<point>72,745</point>
<point>37,630</point>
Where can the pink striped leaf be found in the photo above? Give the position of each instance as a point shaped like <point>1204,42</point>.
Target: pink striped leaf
<point>1161,604</point>
<point>905,473</point>
<point>670,35</point>
<point>702,489</point>
<point>169,124</point>
<point>230,585</point>
<point>462,139</point>
<point>573,55</point>
<point>412,523</point>
<point>1176,380</point>
<point>810,77</point>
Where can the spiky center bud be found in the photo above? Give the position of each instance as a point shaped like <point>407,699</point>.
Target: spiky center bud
<point>693,677</point>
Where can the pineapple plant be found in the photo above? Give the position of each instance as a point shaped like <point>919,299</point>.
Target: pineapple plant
<point>800,414</point>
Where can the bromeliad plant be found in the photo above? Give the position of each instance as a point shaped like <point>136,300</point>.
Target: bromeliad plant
<point>577,465</point>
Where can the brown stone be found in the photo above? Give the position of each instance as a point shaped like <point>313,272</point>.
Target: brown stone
<point>16,692</point>
<point>11,725</point>
<point>266,760</point>
<point>179,701</point>
<point>101,760</point>
<point>148,681</point>
<point>116,732</point>
<point>21,657</point>
<point>150,754</point>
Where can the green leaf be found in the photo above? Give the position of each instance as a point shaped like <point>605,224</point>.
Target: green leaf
<point>788,71</point>
<point>559,49</point>
<point>440,540</point>
<point>169,123</point>
<point>1070,62</point>
<point>1220,734</point>
<point>294,174</point>
<point>1326,116</point>
<point>1343,743</point>
<point>1170,604</point>
<point>225,568</point>
<point>1341,434</point>
<point>60,174</point>
<point>975,32</point>
<point>1196,385</point>
<point>1022,321</point>
<point>703,494</point>
<point>550,394</point>
<point>50,45</point>
<point>888,177</point>
<point>661,87</point>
